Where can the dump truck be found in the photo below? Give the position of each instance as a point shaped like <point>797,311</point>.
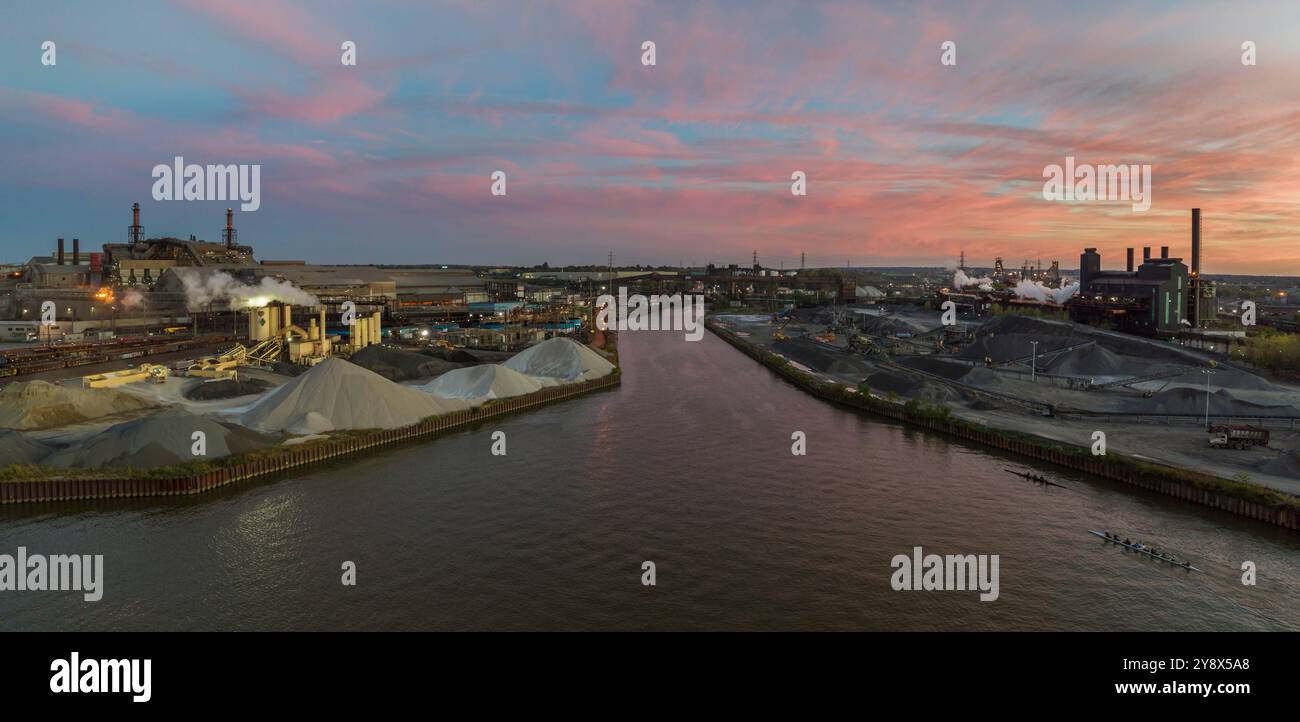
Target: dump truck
<point>1237,437</point>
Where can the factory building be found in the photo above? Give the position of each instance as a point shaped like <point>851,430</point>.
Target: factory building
<point>142,261</point>
<point>1160,296</point>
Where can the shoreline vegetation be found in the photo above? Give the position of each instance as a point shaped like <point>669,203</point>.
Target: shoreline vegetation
<point>1230,495</point>
<point>20,483</point>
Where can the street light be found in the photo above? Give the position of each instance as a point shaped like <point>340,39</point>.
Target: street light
<point>1033,366</point>
<point>1208,373</point>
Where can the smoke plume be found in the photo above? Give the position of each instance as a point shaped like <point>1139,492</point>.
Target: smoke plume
<point>961,280</point>
<point>132,299</point>
<point>1036,291</point>
<point>201,290</point>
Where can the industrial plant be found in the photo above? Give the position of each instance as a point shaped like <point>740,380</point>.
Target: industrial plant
<point>109,347</point>
<point>1152,355</point>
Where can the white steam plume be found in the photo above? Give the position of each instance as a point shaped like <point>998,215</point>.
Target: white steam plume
<point>1036,291</point>
<point>961,280</point>
<point>201,290</point>
<point>132,299</point>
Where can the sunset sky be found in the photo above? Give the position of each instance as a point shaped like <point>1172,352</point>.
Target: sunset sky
<point>908,161</point>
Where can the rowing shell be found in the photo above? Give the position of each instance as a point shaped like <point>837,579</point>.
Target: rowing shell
<point>1035,479</point>
<point>1142,550</point>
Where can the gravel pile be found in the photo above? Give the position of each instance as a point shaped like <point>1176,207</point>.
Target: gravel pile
<point>162,439</point>
<point>1097,360</point>
<point>476,383</point>
<point>18,448</point>
<point>560,358</point>
<point>337,394</point>
<point>40,404</point>
<point>1188,400</point>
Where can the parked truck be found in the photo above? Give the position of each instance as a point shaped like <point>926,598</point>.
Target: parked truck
<point>1237,437</point>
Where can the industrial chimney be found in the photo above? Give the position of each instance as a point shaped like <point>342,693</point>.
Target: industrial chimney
<point>1196,242</point>
<point>135,232</point>
<point>76,251</point>
<point>1089,267</point>
<point>229,235</point>
<point>1130,260</point>
<point>60,255</point>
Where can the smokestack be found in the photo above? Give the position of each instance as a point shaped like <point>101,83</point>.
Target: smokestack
<point>1146,253</point>
<point>135,232</point>
<point>1130,260</point>
<point>1164,251</point>
<point>1196,241</point>
<point>60,252</point>
<point>76,251</point>
<point>229,234</point>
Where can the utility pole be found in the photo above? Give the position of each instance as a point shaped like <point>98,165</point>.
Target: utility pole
<point>1033,367</point>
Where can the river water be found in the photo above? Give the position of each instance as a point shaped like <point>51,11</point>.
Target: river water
<point>688,465</point>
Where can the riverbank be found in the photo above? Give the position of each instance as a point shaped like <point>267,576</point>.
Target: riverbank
<point>37,484</point>
<point>1237,497</point>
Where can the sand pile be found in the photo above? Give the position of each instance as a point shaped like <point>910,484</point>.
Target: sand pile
<point>488,381</point>
<point>18,448</point>
<point>226,389</point>
<point>397,364</point>
<point>561,358</point>
<point>337,394</point>
<point>162,439</point>
<point>40,404</point>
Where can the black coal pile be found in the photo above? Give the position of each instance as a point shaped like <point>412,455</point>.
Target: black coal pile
<point>397,364</point>
<point>226,389</point>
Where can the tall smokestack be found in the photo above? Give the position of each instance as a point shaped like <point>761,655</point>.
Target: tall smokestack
<point>60,254</point>
<point>1130,260</point>
<point>228,235</point>
<point>1196,241</point>
<point>135,232</point>
<point>76,251</point>
<point>1146,253</point>
<point>1164,251</point>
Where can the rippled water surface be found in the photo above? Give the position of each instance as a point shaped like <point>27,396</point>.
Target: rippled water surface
<point>688,464</point>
